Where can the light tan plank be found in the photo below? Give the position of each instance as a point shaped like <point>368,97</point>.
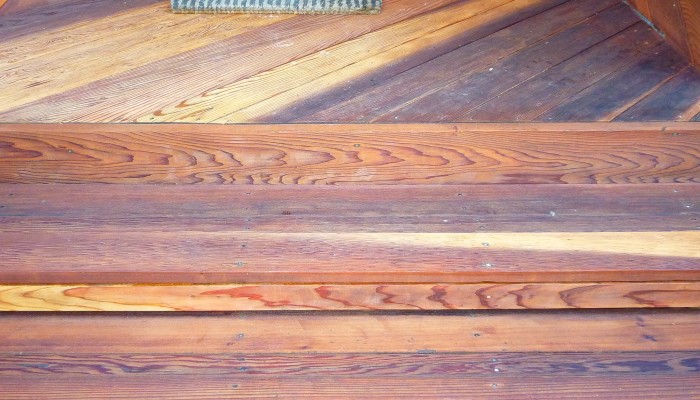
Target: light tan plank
<point>348,297</point>
<point>350,333</point>
<point>42,65</point>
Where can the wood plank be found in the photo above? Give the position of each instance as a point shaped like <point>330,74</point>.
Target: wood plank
<point>115,255</point>
<point>417,39</point>
<point>678,20</point>
<point>250,333</point>
<point>423,364</point>
<point>678,99</point>
<point>564,80</point>
<point>690,12</point>
<point>611,96</point>
<point>26,17</point>
<point>349,154</point>
<point>426,375</point>
<point>655,384</point>
<point>386,234</point>
<point>468,92</point>
<point>408,209</point>
<point>52,62</point>
<point>465,63</point>
<point>348,297</point>
<point>666,15</point>
<point>123,96</point>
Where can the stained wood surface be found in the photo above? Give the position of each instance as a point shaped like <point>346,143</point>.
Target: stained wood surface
<point>658,384</point>
<point>679,20</point>
<point>349,297</point>
<point>291,333</point>
<point>383,234</point>
<point>369,209</point>
<point>349,154</point>
<point>443,60</point>
<point>683,99</point>
<point>412,365</point>
<point>503,355</point>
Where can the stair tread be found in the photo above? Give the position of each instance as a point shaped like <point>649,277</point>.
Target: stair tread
<point>237,234</point>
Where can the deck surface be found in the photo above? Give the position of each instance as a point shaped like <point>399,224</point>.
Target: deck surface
<point>350,261</point>
<point>418,61</point>
<point>341,260</point>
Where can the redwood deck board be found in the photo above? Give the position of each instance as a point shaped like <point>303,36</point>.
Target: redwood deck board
<point>64,64</point>
<point>379,208</point>
<point>314,261</point>
<point>610,30</point>
<point>270,297</point>
<point>383,234</point>
<point>439,154</point>
<point>682,100</point>
<point>656,384</point>
<point>607,98</point>
<point>487,354</point>
<point>348,333</point>
<point>394,98</point>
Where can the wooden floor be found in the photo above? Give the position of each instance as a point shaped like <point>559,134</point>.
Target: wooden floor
<point>350,261</point>
<point>419,61</point>
<point>453,199</point>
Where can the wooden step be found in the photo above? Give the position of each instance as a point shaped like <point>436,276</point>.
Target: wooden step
<point>224,248</point>
<point>570,354</point>
<point>437,154</point>
<point>403,261</point>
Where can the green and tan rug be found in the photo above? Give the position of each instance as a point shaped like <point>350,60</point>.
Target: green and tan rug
<point>278,6</point>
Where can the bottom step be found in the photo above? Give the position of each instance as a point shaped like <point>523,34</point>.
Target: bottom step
<point>525,354</point>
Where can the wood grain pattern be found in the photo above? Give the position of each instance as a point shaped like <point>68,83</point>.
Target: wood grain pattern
<point>349,154</point>
<point>251,333</point>
<point>678,98</point>
<point>567,79</point>
<point>679,20</point>
<point>62,63</point>
<point>423,364</point>
<point>690,11</point>
<point>123,256</point>
<point>259,95</point>
<point>379,208</point>
<point>656,384</point>
<point>142,43</point>
<point>614,30</point>
<point>382,234</point>
<point>607,99</point>
<point>666,16</point>
<point>348,297</point>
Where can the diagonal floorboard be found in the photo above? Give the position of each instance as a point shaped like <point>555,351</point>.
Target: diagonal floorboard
<point>417,61</point>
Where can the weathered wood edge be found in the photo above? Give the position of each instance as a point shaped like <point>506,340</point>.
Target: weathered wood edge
<point>270,297</point>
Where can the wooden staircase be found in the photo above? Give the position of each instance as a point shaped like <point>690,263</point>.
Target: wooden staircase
<point>387,261</point>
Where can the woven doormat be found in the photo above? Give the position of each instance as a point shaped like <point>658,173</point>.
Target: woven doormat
<point>278,6</point>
